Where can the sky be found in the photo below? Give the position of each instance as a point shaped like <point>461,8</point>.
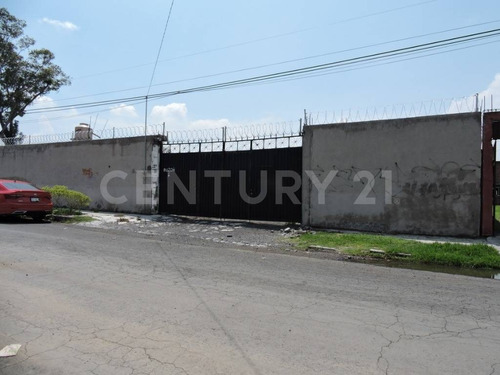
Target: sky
<point>109,49</point>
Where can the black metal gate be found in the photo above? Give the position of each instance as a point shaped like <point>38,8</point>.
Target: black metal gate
<point>252,184</point>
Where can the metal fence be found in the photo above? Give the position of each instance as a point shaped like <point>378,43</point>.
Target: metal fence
<point>257,136</point>
<point>250,137</point>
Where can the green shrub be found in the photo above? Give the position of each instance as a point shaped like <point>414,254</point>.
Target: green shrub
<point>62,197</point>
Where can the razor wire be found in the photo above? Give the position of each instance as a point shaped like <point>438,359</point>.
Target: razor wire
<point>235,138</point>
<point>87,135</point>
<point>171,137</point>
<point>262,135</point>
<point>397,111</point>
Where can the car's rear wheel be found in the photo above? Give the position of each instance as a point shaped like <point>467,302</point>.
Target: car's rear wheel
<point>38,217</point>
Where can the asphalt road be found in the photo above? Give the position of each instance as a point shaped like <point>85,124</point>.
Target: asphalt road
<point>92,301</point>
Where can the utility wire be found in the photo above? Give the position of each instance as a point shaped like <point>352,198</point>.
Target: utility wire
<point>305,71</point>
<point>346,20</point>
<point>161,45</point>
<point>270,37</point>
<point>377,56</point>
<point>317,56</point>
<point>288,79</point>
<point>366,65</point>
<point>282,62</point>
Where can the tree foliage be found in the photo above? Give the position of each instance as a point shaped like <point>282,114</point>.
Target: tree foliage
<point>25,73</point>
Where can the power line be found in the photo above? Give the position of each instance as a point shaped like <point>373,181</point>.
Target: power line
<point>340,63</point>
<point>88,104</point>
<point>321,55</point>
<point>363,65</point>
<point>301,30</point>
<point>288,79</point>
<point>284,62</point>
<point>275,36</point>
<point>161,45</point>
<point>305,71</point>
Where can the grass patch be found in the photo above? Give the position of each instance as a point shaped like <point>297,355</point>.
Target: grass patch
<point>66,211</point>
<point>446,254</point>
<point>62,216</point>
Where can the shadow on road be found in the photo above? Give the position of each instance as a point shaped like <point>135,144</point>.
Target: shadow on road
<point>15,219</point>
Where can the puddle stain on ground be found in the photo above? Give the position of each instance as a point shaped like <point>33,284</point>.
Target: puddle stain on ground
<point>475,272</point>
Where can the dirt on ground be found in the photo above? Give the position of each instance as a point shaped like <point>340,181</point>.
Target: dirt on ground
<point>192,230</point>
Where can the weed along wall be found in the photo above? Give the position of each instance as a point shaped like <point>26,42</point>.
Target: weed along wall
<point>419,175</point>
<point>117,174</point>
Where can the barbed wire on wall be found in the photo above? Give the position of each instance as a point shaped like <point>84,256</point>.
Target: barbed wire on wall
<point>195,135</point>
<point>256,136</point>
<point>36,139</point>
<point>262,131</point>
<point>171,137</point>
<point>235,133</point>
<point>85,135</point>
<point>237,138</point>
<point>409,110</point>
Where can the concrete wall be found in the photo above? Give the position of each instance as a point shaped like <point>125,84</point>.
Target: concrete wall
<point>110,171</point>
<point>426,175</point>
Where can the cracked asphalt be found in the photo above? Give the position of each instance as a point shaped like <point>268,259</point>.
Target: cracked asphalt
<point>140,298</point>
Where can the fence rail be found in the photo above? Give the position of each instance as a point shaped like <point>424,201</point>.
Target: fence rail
<point>250,137</point>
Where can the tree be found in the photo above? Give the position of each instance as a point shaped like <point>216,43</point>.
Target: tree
<point>25,73</point>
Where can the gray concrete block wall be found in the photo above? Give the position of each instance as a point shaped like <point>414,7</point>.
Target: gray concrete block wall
<point>426,175</point>
<point>83,165</point>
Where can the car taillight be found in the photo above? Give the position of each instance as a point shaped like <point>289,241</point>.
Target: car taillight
<point>12,196</point>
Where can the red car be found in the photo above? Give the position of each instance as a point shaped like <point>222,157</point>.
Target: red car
<point>21,198</point>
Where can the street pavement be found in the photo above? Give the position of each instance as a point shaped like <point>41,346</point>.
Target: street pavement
<point>83,300</point>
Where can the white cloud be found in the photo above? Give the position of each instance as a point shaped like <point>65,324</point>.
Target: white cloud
<point>175,116</point>
<point>125,120</point>
<point>50,123</point>
<point>43,102</point>
<point>66,25</point>
<point>44,125</point>
<point>485,100</point>
<point>124,110</point>
<point>172,114</point>
<point>492,92</point>
<point>122,116</point>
